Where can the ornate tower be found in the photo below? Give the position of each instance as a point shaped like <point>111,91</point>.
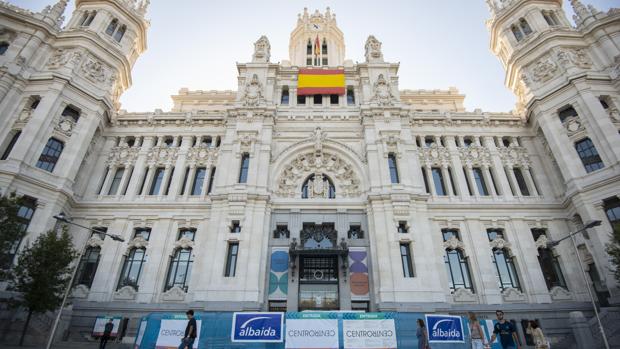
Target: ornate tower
<point>317,41</point>
<point>568,89</point>
<point>61,90</point>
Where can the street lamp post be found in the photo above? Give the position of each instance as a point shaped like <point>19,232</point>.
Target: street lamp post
<point>62,218</point>
<point>583,273</point>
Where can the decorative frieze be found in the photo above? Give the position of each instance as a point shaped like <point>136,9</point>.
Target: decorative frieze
<point>475,155</point>
<point>514,156</point>
<point>158,155</point>
<point>123,155</point>
<point>435,155</point>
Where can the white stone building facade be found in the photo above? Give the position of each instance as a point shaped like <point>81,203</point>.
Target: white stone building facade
<point>381,199</point>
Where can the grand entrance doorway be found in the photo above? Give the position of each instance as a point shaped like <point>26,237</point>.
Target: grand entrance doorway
<point>318,283</point>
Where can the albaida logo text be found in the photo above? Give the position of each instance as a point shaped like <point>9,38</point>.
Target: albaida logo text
<point>261,332</point>
<point>451,333</point>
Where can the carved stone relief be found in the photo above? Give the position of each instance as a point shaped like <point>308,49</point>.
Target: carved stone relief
<point>512,295</point>
<point>544,70</point>
<point>293,175</point>
<point>175,294</point>
<point>127,293</point>
<point>435,155</point>
<point>262,50</point>
<point>463,295</point>
<point>162,155</point>
<point>514,156</point>
<point>382,92</point>
<point>475,155</point>
<point>253,93</point>
<point>123,155</point>
<point>574,57</point>
<point>373,50</point>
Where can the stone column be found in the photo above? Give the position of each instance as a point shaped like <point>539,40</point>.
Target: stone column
<point>457,167</point>
<point>125,179</point>
<point>581,330</point>
<point>108,180</point>
<point>472,181</point>
<point>513,180</point>
<point>165,179</point>
<point>500,175</point>
<point>530,181</point>
<point>447,180</point>
<point>429,179</point>
<point>100,172</point>
<point>486,275</point>
<point>190,181</point>
<point>486,173</point>
<point>140,168</point>
<point>149,180</point>
<point>180,167</point>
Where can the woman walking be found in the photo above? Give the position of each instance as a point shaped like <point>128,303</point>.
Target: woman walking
<point>476,333</point>
<point>537,334</point>
<point>422,335</point>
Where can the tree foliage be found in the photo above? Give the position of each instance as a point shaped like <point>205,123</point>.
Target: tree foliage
<point>613,249</point>
<point>11,231</point>
<point>43,271</point>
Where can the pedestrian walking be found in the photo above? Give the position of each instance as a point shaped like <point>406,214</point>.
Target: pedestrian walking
<point>422,335</point>
<point>475,331</point>
<point>107,331</point>
<point>540,341</point>
<point>506,331</point>
<point>190,331</point>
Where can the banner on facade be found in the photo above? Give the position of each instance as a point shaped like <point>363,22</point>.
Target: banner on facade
<point>257,327</point>
<point>369,331</point>
<point>278,275</point>
<point>445,329</point>
<point>358,269</point>
<point>311,331</point>
<point>140,335</point>
<point>172,331</point>
<point>100,325</point>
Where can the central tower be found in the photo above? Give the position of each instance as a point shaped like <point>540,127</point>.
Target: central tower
<point>316,41</point>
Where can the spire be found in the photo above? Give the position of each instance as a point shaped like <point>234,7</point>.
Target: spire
<point>54,13</point>
<point>581,12</point>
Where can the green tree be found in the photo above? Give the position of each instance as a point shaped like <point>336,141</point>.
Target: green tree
<point>42,274</point>
<point>11,231</point>
<point>613,249</point>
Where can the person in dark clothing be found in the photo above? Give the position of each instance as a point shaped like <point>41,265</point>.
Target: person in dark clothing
<point>107,331</point>
<point>507,332</point>
<point>190,331</point>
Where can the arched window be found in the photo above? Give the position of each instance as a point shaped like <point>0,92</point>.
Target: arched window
<point>318,186</point>
<point>118,36</point>
<point>3,47</point>
<point>549,263</point>
<point>84,18</point>
<point>506,271</point>
<point>180,269</point>
<point>324,47</point>
<point>309,47</point>
<point>50,155</point>
<point>525,27</point>
<point>285,96</point>
<point>112,27</point>
<point>132,267</point>
<point>550,18</point>
<point>457,265</point>
<point>88,267</point>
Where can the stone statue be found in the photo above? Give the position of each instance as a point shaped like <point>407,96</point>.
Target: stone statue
<point>373,50</point>
<point>253,92</point>
<point>318,137</point>
<point>383,93</point>
<point>262,50</point>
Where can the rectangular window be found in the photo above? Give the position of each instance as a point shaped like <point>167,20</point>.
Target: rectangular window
<point>549,263</point>
<point>301,100</point>
<point>440,187</point>
<point>71,112</point>
<point>231,259</point>
<point>567,113</point>
<point>612,211</point>
<point>318,99</point>
<point>521,181</point>
<point>493,234</point>
<point>235,227</point>
<point>10,146</point>
<point>479,178</point>
<point>350,96</point>
<point>334,99</point>
<point>116,181</point>
<point>245,166</point>
<point>426,187</point>
<point>589,156</point>
<point>144,233</point>
<point>402,227</point>
<point>211,178</point>
<point>187,233</point>
<point>199,178</point>
<point>50,155</point>
<point>405,256</point>
<point>324,61</point>
<point>24,216</point>
<point>393,168</point>
<point>157,181</point>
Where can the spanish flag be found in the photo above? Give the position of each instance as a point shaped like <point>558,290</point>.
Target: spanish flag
<point>320,82</point>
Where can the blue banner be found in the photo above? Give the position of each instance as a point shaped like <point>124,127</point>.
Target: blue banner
<point>445,329</point>
<point>257,327</point>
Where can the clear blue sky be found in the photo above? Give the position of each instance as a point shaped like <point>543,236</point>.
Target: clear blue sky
<point>195,44</point>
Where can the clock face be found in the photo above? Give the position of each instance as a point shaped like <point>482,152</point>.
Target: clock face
<point>316,27</point>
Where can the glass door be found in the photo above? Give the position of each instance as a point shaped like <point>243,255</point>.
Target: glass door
<point>318,284</point>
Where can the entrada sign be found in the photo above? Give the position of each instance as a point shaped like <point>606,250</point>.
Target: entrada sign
<point>257,327</point>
